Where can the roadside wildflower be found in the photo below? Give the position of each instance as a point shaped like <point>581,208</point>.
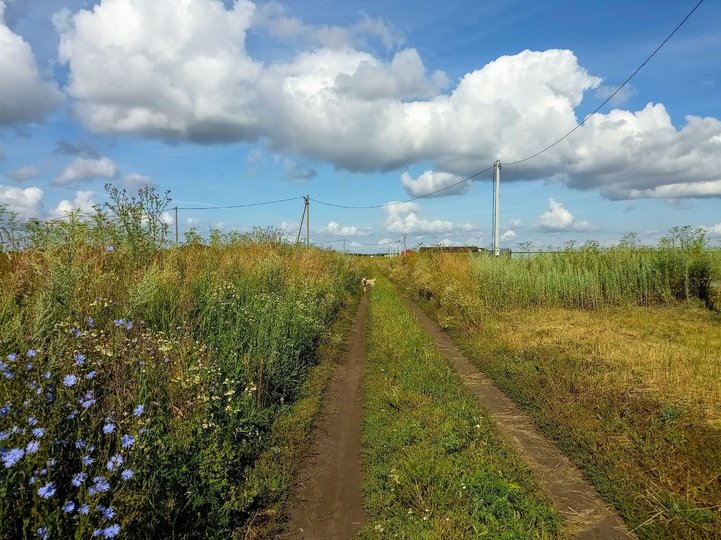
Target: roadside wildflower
<point>78,479</point>
<point>80,443</point>
<point>139,410</point>
<point>87,460</point>
<point>32,421</point>
<point>47,375</point>
<point>32,447</point>
<point>11,457</point>
<point>106,511</point>
<point>47,491</point>
<point>70,380</point>
<point>12,356</point>
<point>109,249</point>
<point>109,427</point>
<point>68,507</point>
<point>91,375</point>
<point>31,353</point>
<point>115,462</point>
<point>129,326</point>
<point>100,485</point>
<point>91,322</point>
<point>79,359</point>
<point>38,432</point>
<point>127,474</point>
<point>84,509</point>
<point>112,531</point>
<point>126,441</point>
<point>42,533</point>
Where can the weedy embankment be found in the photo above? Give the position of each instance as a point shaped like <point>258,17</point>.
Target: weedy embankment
<point>140,384</point>
<point>617,357</point>
<point>436,467</point>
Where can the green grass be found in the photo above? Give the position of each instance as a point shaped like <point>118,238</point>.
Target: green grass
<point>436,467</point>
<point>630,393</point>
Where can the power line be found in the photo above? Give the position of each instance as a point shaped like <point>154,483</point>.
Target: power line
<point>247,205</point>
<point>609,98</point>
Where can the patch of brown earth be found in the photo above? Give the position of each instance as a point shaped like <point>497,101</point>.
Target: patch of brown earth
<point>327,500</point>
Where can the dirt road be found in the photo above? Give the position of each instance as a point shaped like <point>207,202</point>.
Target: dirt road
<point>327,500</point>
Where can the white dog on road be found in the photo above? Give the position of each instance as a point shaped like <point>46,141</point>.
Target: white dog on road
<point>365,282</point>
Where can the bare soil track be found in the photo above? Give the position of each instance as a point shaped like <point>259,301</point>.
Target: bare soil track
<point>327,500</point>
<point>586,515</point>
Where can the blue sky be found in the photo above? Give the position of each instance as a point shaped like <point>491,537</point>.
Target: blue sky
<point>360,104</point>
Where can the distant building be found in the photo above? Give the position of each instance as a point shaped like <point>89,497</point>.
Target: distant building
<point>452,249</point>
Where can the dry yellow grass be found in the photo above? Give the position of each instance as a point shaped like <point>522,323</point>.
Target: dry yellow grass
<point>668,352</point>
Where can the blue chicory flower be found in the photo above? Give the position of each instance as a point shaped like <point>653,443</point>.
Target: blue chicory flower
<point>112,531</point>
<point>78,479</point>
<point>11,457</point>
<point>87,461</point>
<point>32,447</point>
<point>47,375</point>
<point>70,380</point>
<point>38,432</point>
<point>47,491</point>
<point>42,533</point>
<point>115,462</point>
<point>109,427</point>
<point>139,410</point>
<point>32,421</point>
<point>79,359</point>
<point>91,322</point>
<point>126,441</point>
<point>91,375</point>
<point>12,356</point>
<point>106,511</point>
<point>100,485</point>
<point>68,507</point>
<point>31,353</point>
<point>127,474</point>
<point>84,509</point>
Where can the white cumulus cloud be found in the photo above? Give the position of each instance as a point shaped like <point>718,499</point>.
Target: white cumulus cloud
<point>25,95</point>
<point>181,71</point>
<point>334,229</point>
<point>403,218</point>
<point>83,169</point>
<point>431,182</point>
<point>83,202</point>
<point>557,219</point>
<point>26,203</point>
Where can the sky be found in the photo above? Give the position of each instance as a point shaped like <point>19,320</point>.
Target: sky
<point>228,103</point>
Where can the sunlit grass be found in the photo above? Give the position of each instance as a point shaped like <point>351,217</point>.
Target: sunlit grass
<point>436,466</point>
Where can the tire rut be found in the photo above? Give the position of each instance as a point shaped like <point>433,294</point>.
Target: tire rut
<point>327,501</point>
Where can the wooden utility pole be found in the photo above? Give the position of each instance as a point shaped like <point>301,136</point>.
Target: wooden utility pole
<point>305,217</point>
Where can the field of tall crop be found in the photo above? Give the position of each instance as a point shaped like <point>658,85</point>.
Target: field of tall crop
<point>617,355</point>
<point>140,383</point>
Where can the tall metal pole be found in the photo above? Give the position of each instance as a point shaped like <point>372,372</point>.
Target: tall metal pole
<point>307,220</point>
<point>176,225</point>
<point>496,207</point>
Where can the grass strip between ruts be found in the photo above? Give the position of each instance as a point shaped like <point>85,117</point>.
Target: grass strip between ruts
<point>435,465</point>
